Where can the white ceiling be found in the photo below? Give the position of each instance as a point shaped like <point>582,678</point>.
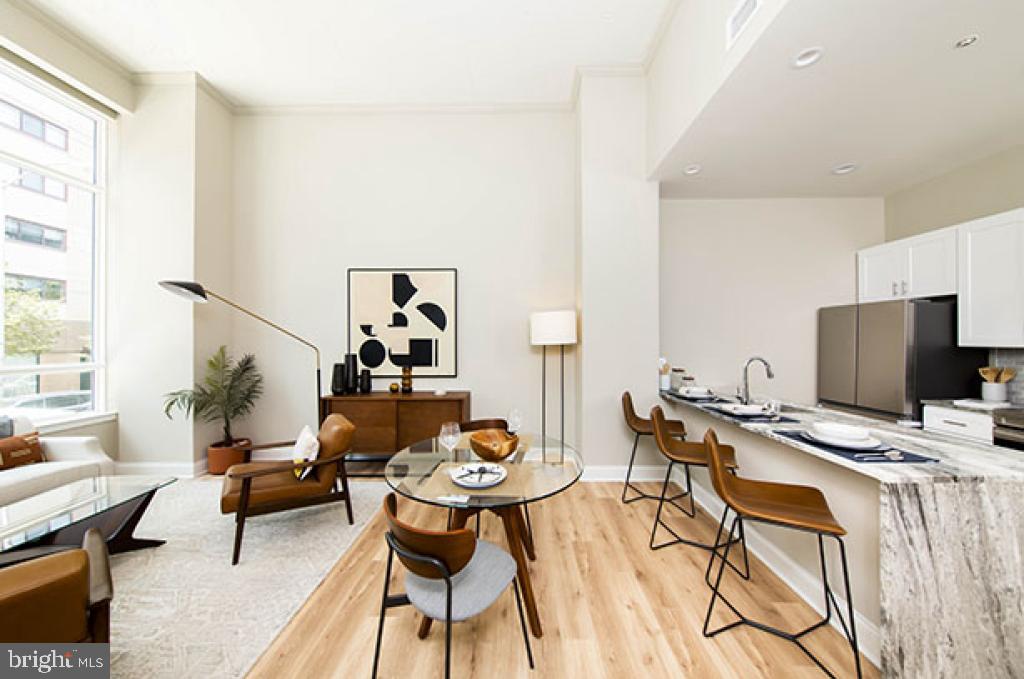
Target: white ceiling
<point>890,93</point>
<point>369,52</point>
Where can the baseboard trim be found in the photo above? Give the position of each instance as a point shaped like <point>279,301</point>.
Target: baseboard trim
<point>805,584</point>
<point>178,469</point>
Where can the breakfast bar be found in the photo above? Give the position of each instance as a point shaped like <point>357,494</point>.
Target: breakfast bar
<point>935,550</point>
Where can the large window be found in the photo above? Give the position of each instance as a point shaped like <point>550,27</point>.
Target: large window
<point>52,160</point>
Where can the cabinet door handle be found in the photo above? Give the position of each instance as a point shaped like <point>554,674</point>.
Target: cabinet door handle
<point>904,286</point>
<point>955,423</point>
<point>894,288</point>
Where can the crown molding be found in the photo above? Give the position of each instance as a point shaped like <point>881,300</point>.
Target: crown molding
<point>400,109</point>
<point>659,33</point>
<point>189,78</point>
<point>54,24</point>
<point>606,71</point>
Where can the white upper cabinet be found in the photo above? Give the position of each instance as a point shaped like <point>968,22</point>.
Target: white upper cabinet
<point>991,281</point>
<point>922,266</point>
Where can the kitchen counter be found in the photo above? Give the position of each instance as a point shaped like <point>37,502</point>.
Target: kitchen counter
<point>957,459</point>
<point>936,548</point>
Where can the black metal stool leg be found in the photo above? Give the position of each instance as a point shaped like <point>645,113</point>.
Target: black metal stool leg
<point>627,486</point>
<point>383,609</point>
<point>852,636</point>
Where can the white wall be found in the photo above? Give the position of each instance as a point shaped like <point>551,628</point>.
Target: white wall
<point>489,194</point>
<point>151,342</point>
<point>617,243</point>
<point>214,242</point>
<point>746,277</point>
<point>690,64</point>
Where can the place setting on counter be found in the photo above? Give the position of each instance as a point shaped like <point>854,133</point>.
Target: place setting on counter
<point>856,444</point>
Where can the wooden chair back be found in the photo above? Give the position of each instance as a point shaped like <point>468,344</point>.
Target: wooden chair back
<point>477,425</point>
<point>725,484</point>
<point>635,422</point>
<point>452,548</point>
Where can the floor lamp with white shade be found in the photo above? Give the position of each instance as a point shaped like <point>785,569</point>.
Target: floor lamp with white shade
<point>552,328</point>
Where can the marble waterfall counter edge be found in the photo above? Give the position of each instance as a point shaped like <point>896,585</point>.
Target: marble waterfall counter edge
<point>951,535</point>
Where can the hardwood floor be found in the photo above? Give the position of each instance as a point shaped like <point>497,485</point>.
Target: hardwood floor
<point>610,607</point>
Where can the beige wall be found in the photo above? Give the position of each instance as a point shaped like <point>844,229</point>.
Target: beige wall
<point>618,258</point>
<point>746,277</point>
<point>989,186</point>
<point>214,242</point>
<point>150,239</point>
<point>489,194</point>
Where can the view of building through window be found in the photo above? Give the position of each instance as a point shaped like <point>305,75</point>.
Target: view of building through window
<point>50,196</point>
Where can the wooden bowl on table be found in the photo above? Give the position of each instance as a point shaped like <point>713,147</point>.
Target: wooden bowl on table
<point>493,445</point>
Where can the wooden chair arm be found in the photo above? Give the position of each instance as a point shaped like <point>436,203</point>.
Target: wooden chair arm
<point>254,469</point>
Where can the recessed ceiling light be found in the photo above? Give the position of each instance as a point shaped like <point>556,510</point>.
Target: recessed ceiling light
<point>966,41</point>
<point>692,169</point>
<point>808,57</point>
<point>844,168</point>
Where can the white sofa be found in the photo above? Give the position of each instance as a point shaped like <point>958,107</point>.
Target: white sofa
<point>68,458</point>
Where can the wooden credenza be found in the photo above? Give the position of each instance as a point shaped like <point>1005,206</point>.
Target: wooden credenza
<point>386,422</point>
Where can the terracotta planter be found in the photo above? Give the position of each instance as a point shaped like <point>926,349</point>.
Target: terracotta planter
<point>219,458</point>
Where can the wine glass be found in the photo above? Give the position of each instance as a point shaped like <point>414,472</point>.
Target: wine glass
<point>450,435</point>
<point>515,420</point>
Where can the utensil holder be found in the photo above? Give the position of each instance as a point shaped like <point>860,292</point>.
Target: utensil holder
<point>993,391</point>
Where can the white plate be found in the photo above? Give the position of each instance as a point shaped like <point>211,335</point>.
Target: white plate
<point>869,443</point>
<point>834,430</point>
<point>740,409</point>
<point>469,476</point>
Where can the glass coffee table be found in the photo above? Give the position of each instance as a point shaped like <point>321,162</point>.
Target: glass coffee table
<point>57,519</point>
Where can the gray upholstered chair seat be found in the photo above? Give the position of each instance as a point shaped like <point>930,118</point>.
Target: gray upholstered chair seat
<point>474,588</point>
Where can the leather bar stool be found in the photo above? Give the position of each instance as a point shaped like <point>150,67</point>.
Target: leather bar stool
<point>642,427</point>
<point>689,455</point>
<point>801,508</point>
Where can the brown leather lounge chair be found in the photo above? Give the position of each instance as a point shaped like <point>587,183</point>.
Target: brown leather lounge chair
<point>254,488</point>
<point>58,598</point>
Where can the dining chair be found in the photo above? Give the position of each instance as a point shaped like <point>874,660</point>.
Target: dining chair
<point>801,508</point>
<point>450,576</point>
<point>641,427</point>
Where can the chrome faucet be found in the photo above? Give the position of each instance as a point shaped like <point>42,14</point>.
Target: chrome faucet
<point>745,392</point>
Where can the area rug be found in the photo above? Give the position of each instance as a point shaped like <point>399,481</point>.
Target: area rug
<point>182,609</point>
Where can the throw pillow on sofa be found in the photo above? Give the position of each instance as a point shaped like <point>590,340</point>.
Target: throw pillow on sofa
<point>19,450</point>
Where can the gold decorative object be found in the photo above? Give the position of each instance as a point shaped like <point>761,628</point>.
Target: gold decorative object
<point>406,380</point>
<point>493,445</point>
<point>393,388</point>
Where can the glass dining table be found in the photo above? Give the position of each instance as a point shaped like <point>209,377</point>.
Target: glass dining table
<point>539,468</point>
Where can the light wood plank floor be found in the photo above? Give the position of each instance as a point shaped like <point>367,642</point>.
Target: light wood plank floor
<point>610,608</point>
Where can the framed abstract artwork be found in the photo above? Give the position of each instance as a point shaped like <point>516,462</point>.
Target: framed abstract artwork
<point>404,317</point>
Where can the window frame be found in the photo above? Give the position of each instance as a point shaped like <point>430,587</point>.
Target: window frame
<point>98,187</point>
<point>21,222</point>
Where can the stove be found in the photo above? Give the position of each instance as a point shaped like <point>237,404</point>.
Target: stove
<point>1009,427</point>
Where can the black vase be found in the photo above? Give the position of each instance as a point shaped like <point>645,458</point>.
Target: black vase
<point>351,374</point>
<point>365,383</point>
<point>338,379</point>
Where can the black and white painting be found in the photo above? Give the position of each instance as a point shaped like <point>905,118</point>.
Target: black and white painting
<point>403,317</point>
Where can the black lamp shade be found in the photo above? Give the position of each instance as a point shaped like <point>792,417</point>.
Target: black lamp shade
<point>191,291</point>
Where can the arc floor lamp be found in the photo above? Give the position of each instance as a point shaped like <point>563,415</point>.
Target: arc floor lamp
<point>195,292</point>
<point>552,328</point>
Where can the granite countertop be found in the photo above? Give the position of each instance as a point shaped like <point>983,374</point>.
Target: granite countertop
<point>958,459</point>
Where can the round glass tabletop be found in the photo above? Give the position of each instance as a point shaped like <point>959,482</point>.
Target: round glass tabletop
<point>539,468</point>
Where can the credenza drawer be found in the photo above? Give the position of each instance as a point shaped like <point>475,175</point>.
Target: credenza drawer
<point>971,425</point>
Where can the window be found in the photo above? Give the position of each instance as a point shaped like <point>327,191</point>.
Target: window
<point>33,181</point>
<point>30,232</point>
<point>30,123</point>
<point>52,191</point>
<point>45,288</point>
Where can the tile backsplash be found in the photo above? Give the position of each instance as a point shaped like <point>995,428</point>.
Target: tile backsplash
<point>1011,358</point>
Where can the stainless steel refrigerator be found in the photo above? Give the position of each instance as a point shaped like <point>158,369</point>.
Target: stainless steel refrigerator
<point>886,357</point>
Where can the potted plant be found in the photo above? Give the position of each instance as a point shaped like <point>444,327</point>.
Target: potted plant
<point>228,391</point>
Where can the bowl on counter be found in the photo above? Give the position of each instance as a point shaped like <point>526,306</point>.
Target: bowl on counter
<point>493,445</point>
<point>835,430</point>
